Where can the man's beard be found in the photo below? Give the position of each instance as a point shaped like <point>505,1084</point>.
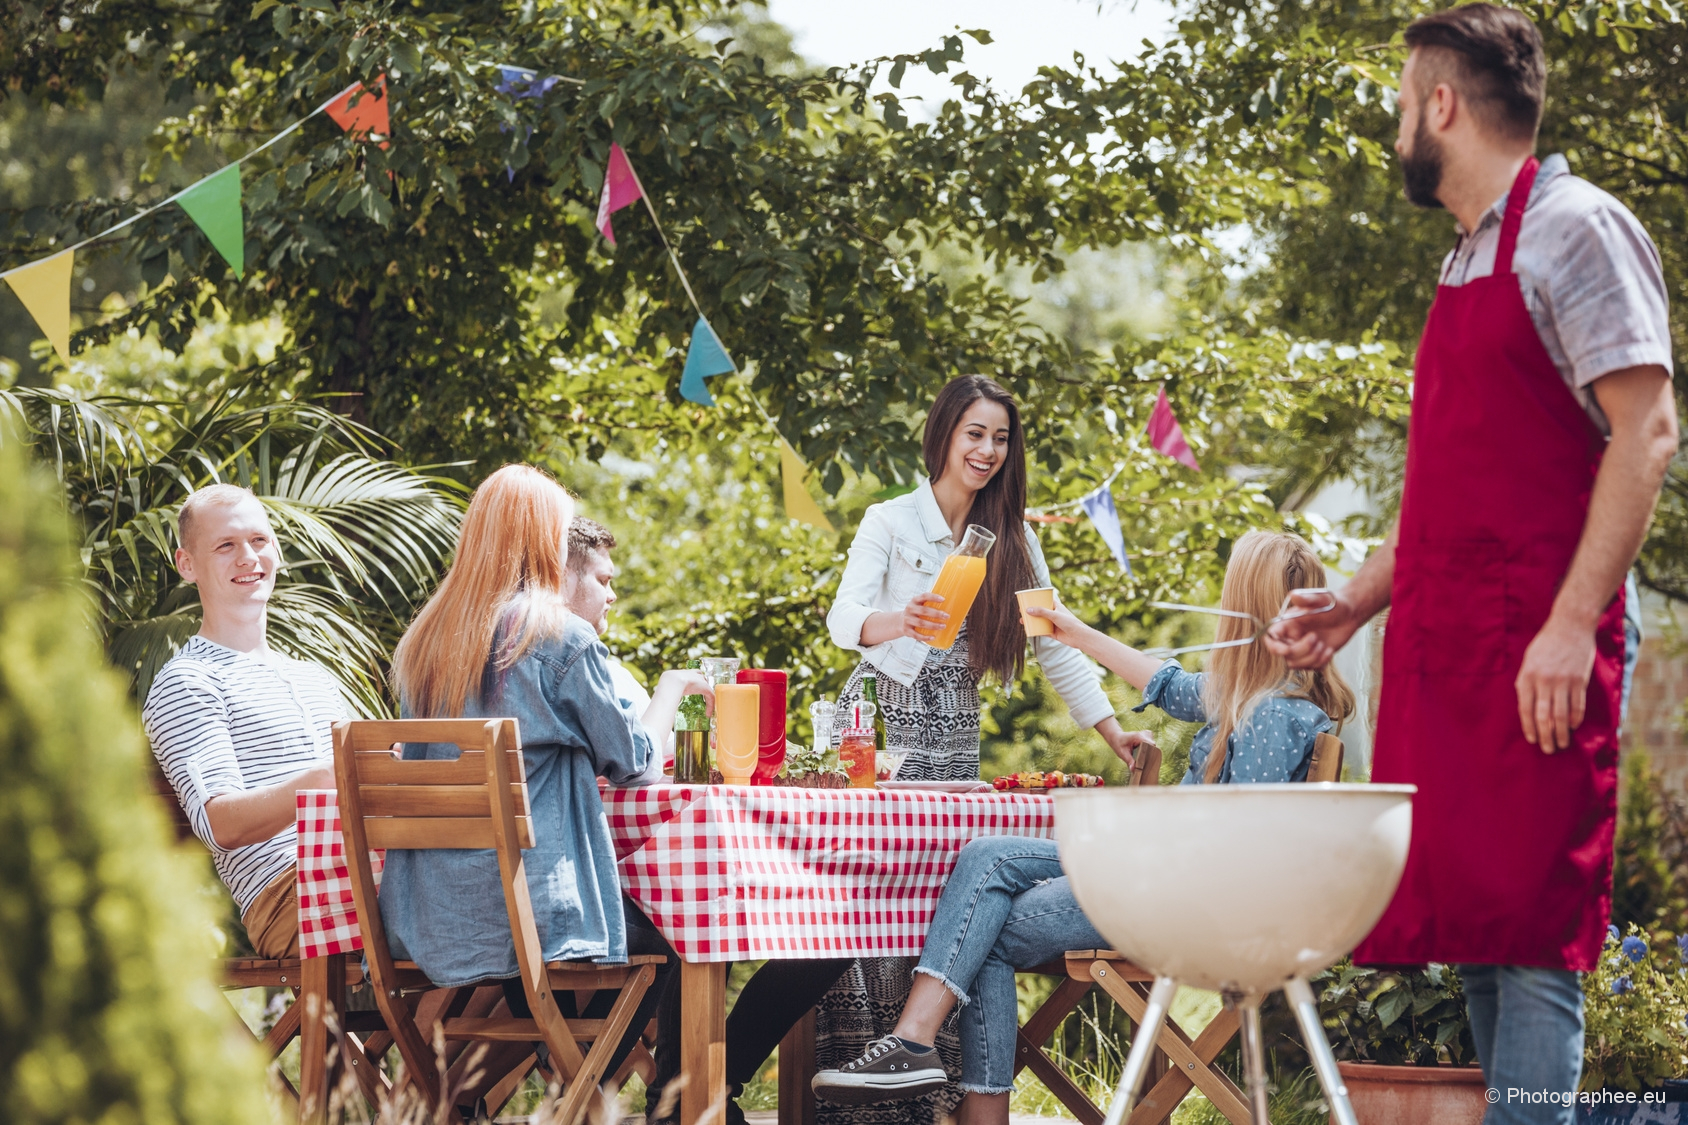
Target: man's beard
<point>1421,171</point>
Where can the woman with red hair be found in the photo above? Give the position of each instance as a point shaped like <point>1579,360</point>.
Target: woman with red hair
<point>497,640</point>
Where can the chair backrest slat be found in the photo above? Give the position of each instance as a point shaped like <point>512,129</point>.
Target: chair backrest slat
<point>386,767</point>
<point>427,800</point>
<point>1326,764</point>
<point>421,833</point>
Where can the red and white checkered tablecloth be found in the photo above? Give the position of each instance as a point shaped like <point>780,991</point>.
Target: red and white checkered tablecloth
<point>740,873</point>
<point>737,874</point>
<point>328,922</point>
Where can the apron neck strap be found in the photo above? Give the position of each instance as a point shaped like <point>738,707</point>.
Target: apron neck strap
<point>1516,201</point>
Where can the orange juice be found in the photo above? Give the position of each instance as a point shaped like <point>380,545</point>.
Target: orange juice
<point>958,584</point>
<point>737,718</point>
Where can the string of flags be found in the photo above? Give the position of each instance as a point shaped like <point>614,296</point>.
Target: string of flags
<point>213,203</point>
<point>1165,436</point>
<point>706,355</point>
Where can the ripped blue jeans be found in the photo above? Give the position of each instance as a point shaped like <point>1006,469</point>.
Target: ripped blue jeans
<point>1006,906</point>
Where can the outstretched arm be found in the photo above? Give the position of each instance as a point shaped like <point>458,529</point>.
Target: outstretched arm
<point>1312,641</point>
<point>254,815</point>
<point>1120,659</point>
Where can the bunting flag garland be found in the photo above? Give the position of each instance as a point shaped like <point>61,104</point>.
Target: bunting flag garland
<point>705,357</point>
<point>214,203</point>
<point>43,286</point>
<point>44,289</point>
<point>1166,435</point>
<point>1099,506</point>
<point>363,112</point>
<point>621,187</point>
<point>799,505</point>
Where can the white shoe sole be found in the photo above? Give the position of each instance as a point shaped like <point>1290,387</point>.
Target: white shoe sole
<point>866,1089</point>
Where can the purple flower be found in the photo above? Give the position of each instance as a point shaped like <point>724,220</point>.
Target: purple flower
<point>1622,985</point>
<point>1682,947</point>
<point>1634,948</point>
<point>1612,933</point>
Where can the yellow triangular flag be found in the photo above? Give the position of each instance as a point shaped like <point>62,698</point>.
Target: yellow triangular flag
<point>799,505</point>
<point>44,289</point>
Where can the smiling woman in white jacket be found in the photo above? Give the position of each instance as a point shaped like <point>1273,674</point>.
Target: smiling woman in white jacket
<point>974,450</point>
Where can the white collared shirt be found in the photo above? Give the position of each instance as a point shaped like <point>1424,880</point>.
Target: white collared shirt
<point>1591,279</point>
<point>896,554</point>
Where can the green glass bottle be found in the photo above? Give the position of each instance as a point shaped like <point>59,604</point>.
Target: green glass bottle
<point>691,738</point>
<point>870,694</point>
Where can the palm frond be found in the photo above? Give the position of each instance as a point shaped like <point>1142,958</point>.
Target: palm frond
<point>363,539</point>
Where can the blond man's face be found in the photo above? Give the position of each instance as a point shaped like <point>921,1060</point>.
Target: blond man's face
<point>231,556</point>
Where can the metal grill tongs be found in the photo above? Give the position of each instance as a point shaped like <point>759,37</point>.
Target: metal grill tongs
<point>1286,612</point>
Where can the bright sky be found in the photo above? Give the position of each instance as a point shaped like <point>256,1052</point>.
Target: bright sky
<point>1027,34</point>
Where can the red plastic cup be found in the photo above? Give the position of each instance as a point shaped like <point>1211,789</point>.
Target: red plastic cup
<point>770,733</point>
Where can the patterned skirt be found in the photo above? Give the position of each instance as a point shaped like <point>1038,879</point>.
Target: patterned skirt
<point>936,723</point>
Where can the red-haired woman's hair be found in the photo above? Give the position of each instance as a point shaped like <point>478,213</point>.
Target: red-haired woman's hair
<point>511,557</point>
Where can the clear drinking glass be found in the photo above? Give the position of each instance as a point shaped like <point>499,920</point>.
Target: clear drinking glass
<point>959,581</point>
<point>738,717</point>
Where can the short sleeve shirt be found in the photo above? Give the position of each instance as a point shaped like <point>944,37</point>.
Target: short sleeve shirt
<point>1591,279</point>
<point>222,721</point>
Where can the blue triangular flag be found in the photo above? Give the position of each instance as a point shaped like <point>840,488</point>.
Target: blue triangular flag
<point>520,82</point>
<point>705,357</point>
<point>1099,506</point>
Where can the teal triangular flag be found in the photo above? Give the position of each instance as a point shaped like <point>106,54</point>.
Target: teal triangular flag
<point>704,358</point>
<point>214,203</point>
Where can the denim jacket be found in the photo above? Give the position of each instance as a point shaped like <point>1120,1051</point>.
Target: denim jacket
<point>444,909</point>
<point>1273,743</point>
<point>895,555</point>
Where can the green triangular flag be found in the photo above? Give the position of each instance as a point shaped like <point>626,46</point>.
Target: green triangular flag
<point>214,203</point>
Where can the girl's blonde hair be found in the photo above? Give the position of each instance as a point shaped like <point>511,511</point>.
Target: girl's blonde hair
<point>511,557</point>
<point>1265,566</point>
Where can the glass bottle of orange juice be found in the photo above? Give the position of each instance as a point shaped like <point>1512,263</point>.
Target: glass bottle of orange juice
<point>959,581</point>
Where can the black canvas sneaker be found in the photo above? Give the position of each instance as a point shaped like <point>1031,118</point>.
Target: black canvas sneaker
<point>887,1072</point>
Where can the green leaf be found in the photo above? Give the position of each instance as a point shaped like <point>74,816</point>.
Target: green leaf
<point>406,57</point>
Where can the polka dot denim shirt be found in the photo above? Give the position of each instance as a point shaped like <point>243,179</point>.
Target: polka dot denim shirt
<point>1274,743</point>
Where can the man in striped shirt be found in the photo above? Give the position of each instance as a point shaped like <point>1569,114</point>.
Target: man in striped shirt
<point>238,728</point>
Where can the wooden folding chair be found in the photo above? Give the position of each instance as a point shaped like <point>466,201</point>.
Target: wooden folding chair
<point>479,800</point>
<point>1180,1063</point>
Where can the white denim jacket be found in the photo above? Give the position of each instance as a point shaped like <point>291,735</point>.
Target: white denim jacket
<point>896,554</point>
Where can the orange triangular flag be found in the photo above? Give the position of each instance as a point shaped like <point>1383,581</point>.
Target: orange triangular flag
<point>44,289</point>
<point>799,505</point>
<point>362,111</point>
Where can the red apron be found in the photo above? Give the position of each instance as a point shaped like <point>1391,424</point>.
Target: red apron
<point>1511,857</point>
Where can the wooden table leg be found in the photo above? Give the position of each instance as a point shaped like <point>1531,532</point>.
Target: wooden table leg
<point>703,1042</point>
<point>797,1068</point>
<point>321,997</point>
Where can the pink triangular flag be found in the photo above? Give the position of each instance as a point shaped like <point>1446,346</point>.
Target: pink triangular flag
<point>621,187</point>
<point>1167,436</point>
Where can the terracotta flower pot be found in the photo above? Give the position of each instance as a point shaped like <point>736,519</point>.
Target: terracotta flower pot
<point>1415,1095</point>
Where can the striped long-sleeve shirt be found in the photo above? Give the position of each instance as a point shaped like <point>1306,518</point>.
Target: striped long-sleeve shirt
<point>223,721</point>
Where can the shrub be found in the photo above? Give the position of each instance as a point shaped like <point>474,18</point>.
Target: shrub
<point>1413,1018</point>
<point>1636,1012</point>
<point>107,1008</point>
<point>1648,884</point>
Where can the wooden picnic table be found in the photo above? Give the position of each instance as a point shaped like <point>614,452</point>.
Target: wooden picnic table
<point>728,873</point>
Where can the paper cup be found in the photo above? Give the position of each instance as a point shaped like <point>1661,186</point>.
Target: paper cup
<point>1044,598</point>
